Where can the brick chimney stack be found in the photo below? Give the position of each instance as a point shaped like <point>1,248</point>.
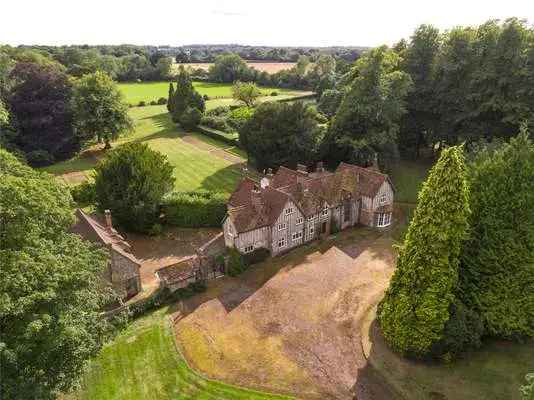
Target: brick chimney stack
<point>107,214</point>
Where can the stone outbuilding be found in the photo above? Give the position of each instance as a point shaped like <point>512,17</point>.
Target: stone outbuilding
<point>123,268</point>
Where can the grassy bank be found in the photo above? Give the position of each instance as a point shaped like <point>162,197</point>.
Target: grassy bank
<point>142,363</point>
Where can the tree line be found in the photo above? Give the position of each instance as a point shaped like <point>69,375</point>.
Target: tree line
<point>437,89</point>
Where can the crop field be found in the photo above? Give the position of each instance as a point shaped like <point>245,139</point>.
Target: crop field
<point>148,91</point>
<point>270,67</point>
<point>199,162</point>
<point>143,363</point>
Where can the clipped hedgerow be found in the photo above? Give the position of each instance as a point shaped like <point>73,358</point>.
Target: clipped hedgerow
<point>194,209</point>
<point>256,256</point>
<point>84,194</point>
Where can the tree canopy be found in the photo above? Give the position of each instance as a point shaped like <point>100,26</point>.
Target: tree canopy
<point>51,285</point>
<point>497,269</point>
<point>417,304</point>
<point>184,98</point>
<point>131,181</point>
<point>39,101</point>
<point>367,121</point>
<point>246,92</point>
<point>99,109</point>
<point>281,134</point>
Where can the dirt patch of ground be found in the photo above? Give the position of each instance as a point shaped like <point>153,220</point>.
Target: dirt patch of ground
<point>300,332</point>
<point>174,245</point>
<point>270,67</point>
<point>74,178</point>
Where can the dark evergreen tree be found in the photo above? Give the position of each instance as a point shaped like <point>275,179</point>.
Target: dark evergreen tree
<point>497,270</point>
<point>170,97</point>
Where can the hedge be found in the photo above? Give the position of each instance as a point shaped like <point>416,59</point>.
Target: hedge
<point>194,209</point>
<point>238,263</point>
<point>230,138</point>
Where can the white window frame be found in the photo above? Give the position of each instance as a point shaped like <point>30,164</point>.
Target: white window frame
<point>311,217</point>
<point>325,210</point>
<point>249,249</point>
<point>311,230</point>
<point>282,226</point>
<point>297,235</point>
<point>382,199</point>
<point>384,219</point>
<point>282,242</point>
<point>289,211</point>
<point>299,221</point>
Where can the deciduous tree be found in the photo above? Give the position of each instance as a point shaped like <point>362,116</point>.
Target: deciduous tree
<point>99,109</point>
<point>281,134</point>
<point>246,92</point>
<point>51,285</point>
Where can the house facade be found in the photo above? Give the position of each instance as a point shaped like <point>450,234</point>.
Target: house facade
<point>290,208</point>
<point>123,270</point>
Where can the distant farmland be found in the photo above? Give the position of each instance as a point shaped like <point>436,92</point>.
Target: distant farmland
<point>270,67</point>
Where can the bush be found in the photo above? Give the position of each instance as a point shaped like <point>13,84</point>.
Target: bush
<point>153,103</point>
<point>218,111</point>
<point>84,194</point>
<point>275,93</point>
<point>236,264</point>
<point>206,97</point>
<point>191,118</point>
<point>215,122</point>
<point>256,256</point>
<point>162,101</point>
<point>156,230</point>
<point>321,118</point>
<point>237,118</point>
<point>142,103</point>
<point>39,158</point>
<point>194,209</point>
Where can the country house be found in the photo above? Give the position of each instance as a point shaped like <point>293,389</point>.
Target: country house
<point>291,207</point>
<point>123,268</point>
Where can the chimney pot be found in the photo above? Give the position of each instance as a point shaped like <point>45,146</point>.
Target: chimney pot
<point>107,214</point>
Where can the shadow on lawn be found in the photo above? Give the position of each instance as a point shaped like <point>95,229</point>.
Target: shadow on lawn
<point>224,179</point>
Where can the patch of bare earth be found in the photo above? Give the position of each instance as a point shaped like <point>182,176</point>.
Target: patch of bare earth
<point>299,333</point>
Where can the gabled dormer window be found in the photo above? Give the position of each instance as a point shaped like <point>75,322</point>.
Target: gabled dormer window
<point>289,211</point>
<point>282,226</point>
<point>382,199</point>
<point>325,210</point>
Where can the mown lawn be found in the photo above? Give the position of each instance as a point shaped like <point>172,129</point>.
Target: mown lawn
<point>143,363</point>
<point>148,91</point>
<point>408,177</point>
<point>195,167</point>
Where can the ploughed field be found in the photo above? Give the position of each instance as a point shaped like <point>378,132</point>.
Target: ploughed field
<point>149,91</point>
<point>263,66</point>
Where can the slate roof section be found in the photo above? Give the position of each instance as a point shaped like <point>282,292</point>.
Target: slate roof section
<point>251,207</point>
<point>90,228</point>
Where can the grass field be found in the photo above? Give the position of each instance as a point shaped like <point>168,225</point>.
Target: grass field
<point>142,363</point>
<point>407,177</point>
<point>148,91</point>
<point>195,167</point>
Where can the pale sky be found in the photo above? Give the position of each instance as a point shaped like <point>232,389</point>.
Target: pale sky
<point>266,22</point>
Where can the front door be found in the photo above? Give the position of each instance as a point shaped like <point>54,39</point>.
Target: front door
<point>323,228</point>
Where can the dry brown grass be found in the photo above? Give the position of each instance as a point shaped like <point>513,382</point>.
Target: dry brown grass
<point>300,332</point>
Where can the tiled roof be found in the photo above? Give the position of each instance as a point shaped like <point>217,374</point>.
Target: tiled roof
<point>251,207</point>
<point>179,271</point>
<point>90,228</point>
